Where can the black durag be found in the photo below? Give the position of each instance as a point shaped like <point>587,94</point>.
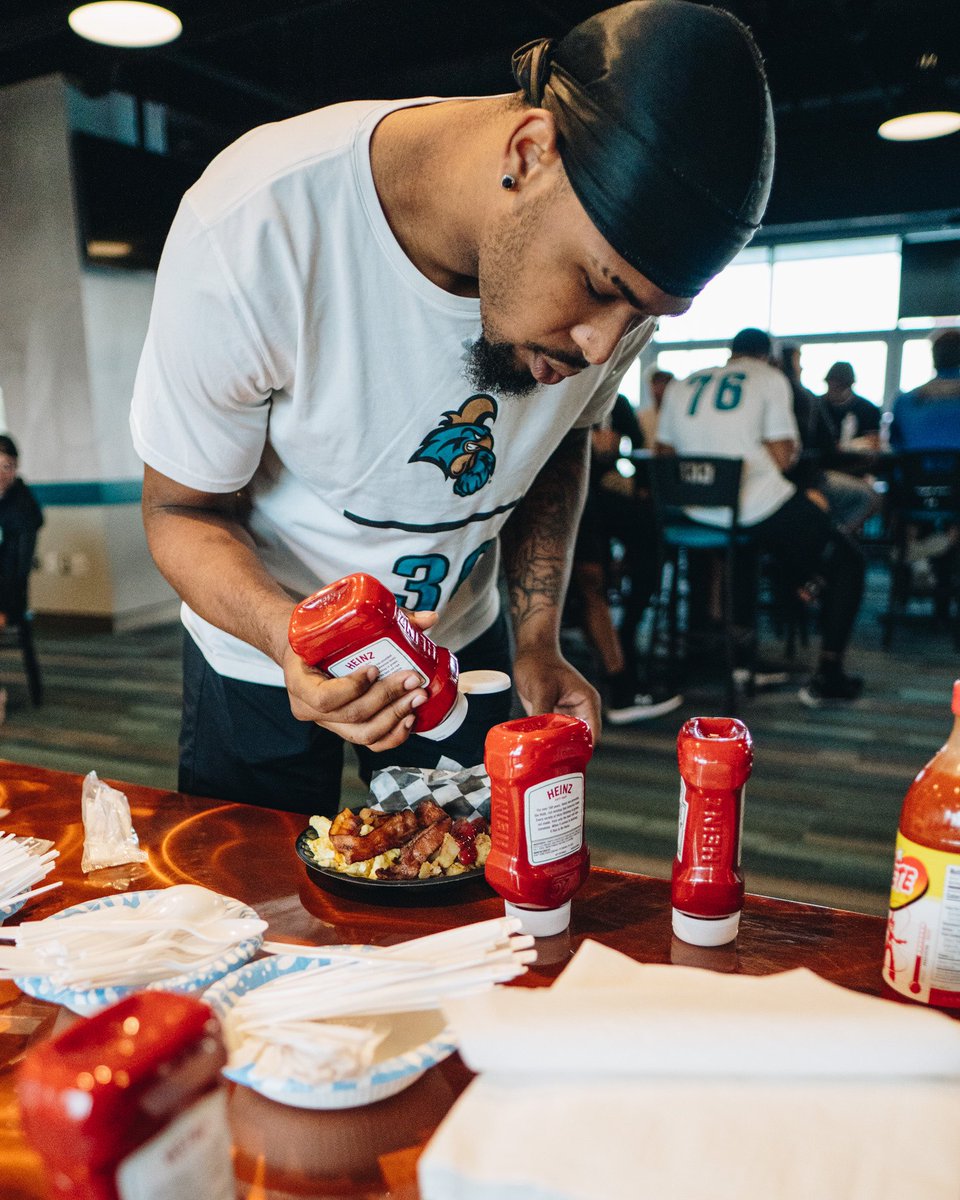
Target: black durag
<point>665,131</point>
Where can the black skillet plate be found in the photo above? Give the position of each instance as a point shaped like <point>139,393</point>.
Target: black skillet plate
<point>441,889</point>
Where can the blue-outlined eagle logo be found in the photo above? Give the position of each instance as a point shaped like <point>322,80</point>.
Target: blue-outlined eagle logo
<point>461,445</point>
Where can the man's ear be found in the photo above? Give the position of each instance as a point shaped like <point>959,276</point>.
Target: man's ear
<point>532,144</point>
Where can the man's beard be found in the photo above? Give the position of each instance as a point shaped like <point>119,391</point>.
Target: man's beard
<point>492,367</point>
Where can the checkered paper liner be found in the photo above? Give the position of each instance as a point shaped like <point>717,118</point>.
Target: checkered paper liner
<point>462,792</point>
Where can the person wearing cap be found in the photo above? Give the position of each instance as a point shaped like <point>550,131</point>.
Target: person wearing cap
<point>854,418</point>
<point>744,409</point>
<point>380,334</point>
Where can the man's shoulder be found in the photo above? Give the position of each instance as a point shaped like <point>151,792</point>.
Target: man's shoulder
<point>277,151</point>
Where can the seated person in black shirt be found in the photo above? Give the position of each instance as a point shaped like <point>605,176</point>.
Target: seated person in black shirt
<point>854,418</point>
<point>20,520</point>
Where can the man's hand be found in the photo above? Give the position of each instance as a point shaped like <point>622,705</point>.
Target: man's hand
<point>546,682</point>
<point>360,708</point>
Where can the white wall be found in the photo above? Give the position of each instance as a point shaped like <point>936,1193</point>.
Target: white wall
<point>70,338</point>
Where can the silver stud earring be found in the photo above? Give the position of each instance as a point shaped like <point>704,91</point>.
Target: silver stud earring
<point>508,182</point>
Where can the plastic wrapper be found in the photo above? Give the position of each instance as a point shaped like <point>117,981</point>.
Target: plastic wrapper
<point>109,837</point>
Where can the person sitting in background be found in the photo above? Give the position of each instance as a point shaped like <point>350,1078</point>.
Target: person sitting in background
<point>20,521</point>
<point>854,418</point>
<point>929,416</point>
<point>850,499</point>
<point>657,382</point>
<point>613,510</point>
<point>745,410</point>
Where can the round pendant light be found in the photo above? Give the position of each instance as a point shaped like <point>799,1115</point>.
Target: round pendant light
<point>127,23</point>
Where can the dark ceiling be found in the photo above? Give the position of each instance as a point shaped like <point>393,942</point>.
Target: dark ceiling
<point>835,67</point>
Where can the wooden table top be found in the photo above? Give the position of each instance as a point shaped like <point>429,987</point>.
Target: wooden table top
<point>249,853</point>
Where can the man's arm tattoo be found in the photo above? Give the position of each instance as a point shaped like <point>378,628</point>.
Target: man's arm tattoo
<point>538,540</point>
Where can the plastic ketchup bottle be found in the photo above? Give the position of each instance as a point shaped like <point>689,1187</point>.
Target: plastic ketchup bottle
<point>715,755</point>
<point>356,622</point>
<point>538,857</point>
<point>921,956</point>
<point>130,1104</point>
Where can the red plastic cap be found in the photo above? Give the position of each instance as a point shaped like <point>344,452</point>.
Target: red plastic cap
<point>955,703</point>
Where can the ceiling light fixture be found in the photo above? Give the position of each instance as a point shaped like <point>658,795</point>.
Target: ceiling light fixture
<point>927,110</point>
<point>127,23</point>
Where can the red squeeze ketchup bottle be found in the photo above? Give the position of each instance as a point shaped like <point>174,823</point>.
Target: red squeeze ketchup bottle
<point>356,622</point>
<point>715,755</point>
<point>921,956</point>
<point>538,857</point>
<point>130,1104</point>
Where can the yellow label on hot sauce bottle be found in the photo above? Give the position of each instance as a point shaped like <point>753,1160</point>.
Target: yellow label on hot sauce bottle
<point>921,954</point>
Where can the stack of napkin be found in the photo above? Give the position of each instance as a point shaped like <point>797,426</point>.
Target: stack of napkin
<point>631,1080</point>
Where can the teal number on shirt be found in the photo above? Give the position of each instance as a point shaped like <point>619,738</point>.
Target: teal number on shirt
<point>423,575</point>
<point>727,394</point>
<point>471,561</point>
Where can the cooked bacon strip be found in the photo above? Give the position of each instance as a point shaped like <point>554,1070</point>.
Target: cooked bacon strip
<point>416,852</point>
<point>345,822</point>
<point>428,812</point>
<point>394,831</point>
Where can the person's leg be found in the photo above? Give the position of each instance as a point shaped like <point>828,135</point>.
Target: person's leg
<point>240,742</point>
<point>852,499</point>
<point>818,559</point>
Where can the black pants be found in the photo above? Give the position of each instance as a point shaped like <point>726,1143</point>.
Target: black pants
<point>806,546</point>
<point>240,742</point>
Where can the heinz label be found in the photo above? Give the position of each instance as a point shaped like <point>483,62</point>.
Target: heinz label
<point>384,654</point>
<point>921,955</point>
<point>554,818</point>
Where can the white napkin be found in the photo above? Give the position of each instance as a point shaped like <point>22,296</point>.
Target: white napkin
<point>630,1080</point>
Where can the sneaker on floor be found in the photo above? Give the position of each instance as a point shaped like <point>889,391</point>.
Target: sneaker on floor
<point>767,673</point>
<point>830,688</point>
<point>643,707</point>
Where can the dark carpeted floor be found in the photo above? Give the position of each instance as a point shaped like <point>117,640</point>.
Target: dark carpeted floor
<point>821,807</point>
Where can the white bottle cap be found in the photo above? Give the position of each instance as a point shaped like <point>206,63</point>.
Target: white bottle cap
<point>450,723</point>
<point>540,922</point>
<point>705,931</point>
<point>481,683</point>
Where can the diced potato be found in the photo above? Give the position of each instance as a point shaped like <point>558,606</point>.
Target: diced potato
<point>456,868</point>
<point>428,869</point>
<point>447,854</point>
<point>483,848</point>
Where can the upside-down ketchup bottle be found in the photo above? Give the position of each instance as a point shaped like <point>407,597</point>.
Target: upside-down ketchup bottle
<point>921,957</point>
<point>130,1104</point>
<point>538,857</point>
<point>356,622</point>
<point>715,755</point>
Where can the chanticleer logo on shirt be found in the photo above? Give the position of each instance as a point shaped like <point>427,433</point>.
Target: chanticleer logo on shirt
<point>461,445</point>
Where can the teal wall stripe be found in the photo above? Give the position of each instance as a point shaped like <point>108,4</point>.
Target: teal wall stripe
<point>108,491</point>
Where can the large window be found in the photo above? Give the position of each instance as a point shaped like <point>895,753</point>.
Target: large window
<point>868,359</point>
<point>838,300</point>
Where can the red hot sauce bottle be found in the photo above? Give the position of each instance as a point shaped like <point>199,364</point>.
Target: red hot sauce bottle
<point>715,755</point>
<point>130,1104</point>
<point>356,622</point>
<point>538,857</point>
<point>921,957</point>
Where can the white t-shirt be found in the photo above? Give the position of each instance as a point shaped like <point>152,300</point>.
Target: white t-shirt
<point>293,347</point>
<point>729,412</point>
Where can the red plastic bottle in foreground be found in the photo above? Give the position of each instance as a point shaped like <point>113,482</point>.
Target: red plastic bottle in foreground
<point>538,858</point>
<point>715,755</point>
<point>129,1105</point>
<point>921,957</point>
<point>356,622</point>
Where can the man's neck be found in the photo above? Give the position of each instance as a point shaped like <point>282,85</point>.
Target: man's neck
<point>429,164</point>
